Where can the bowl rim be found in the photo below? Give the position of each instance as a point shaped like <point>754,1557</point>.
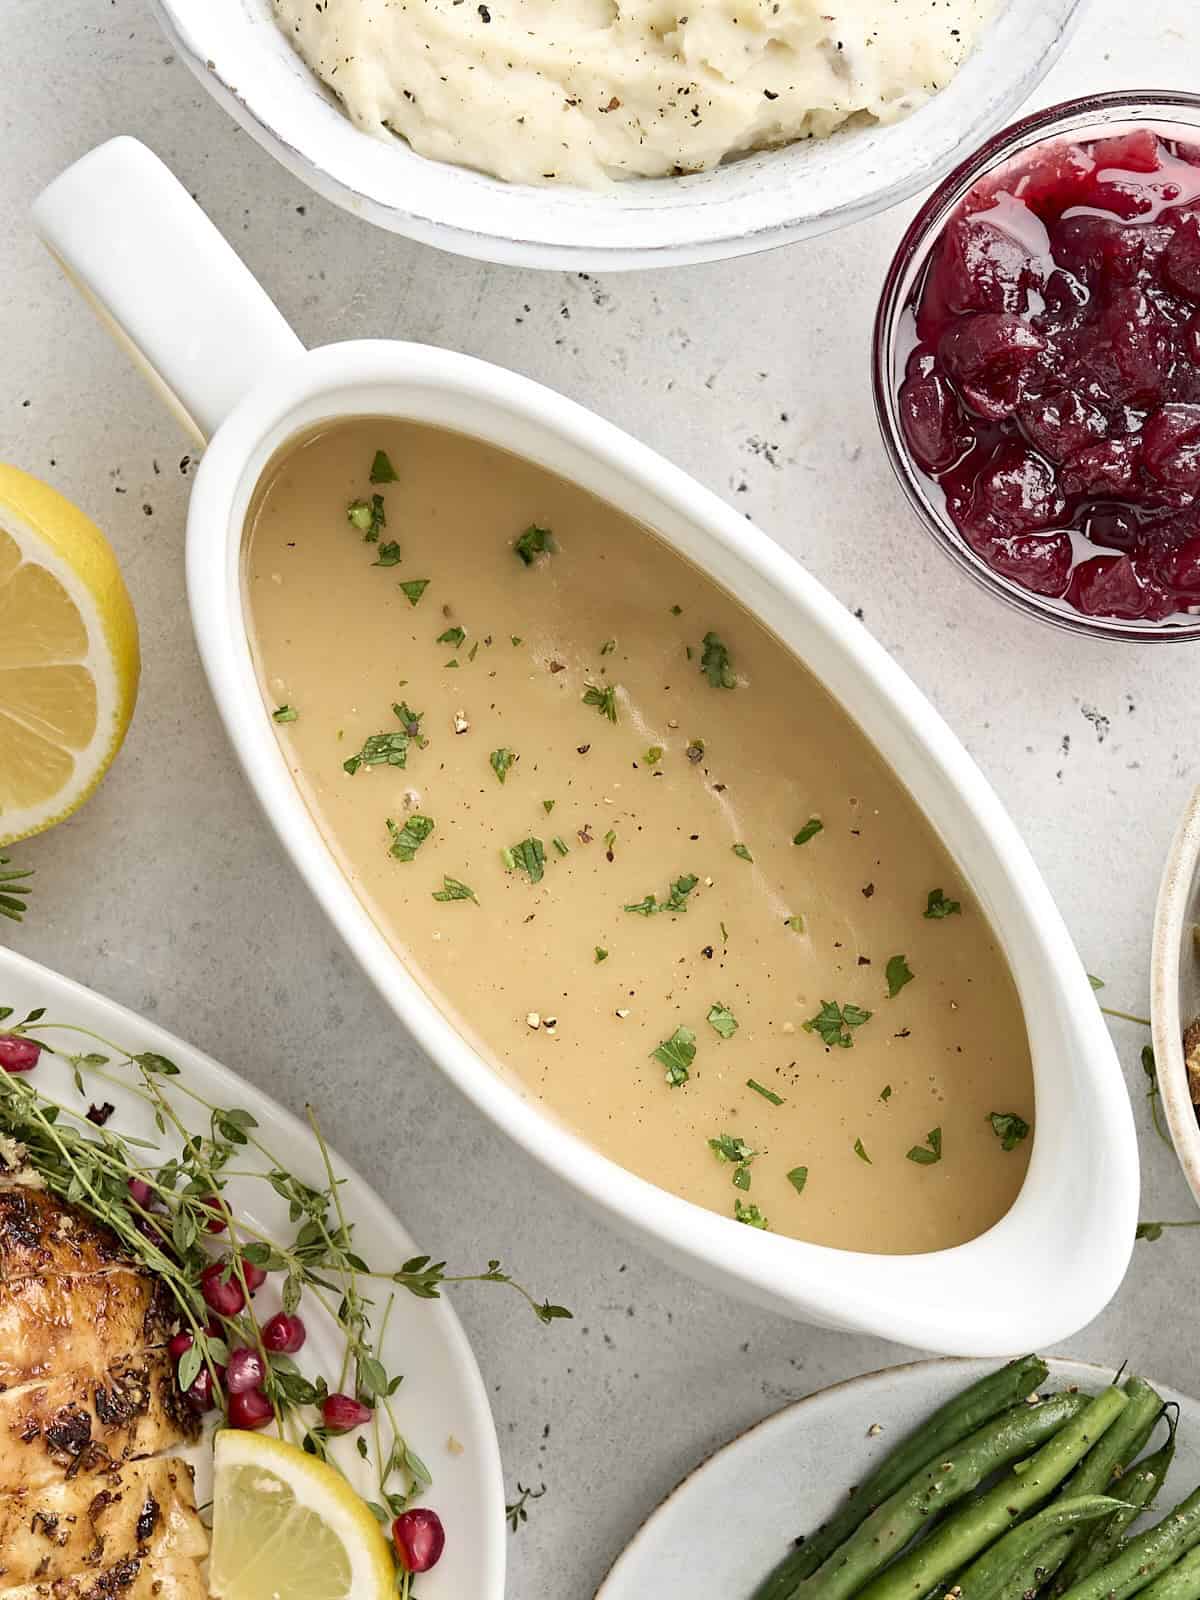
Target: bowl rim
<point>678,220</point>
<point>1166,1019</point>
<point>1085,1150</point>
<point>920,237</point>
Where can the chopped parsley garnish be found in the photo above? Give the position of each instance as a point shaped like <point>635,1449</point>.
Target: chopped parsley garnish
<point>743,851</point>
<point>741,1177</point>
<point>604,698</point>
<point>653,756</point>
<point>382,470</point>
<point>695,751</point>
<point>560,845</point>
<point>607,648</point>
<point>750,1215</point>
<point>898,973</point>
<point>389,749</point>
<point>534,542</point>
<point>547,806</point>
<point>1096,983</point>
<point>414,589</point>
<point>502,760</point>
<point>796,923</point>
<point>860,1152</point>
<point>885,1094</point>
<point>1009,1128</point>
<point>368,516</point>
<point>938,906</point>
<point>610,841</point>
<point>728,1147</point>
<point>723,1020</point>
<point>676,611</point>
<point>834,1023</point>
<point>285,714</point>
<point>767,1094</point>
<point>516,639</point>
<point>452,889</point>
<point>928,1157</point>
<point>406,841</point>
<point>715,663</point>
<point>798,1177</point>
<point>473,651</point>
<point>676,900</point>
<point>389,555</point>
<point>529,857</point>
<point>452,636</point>
<point>810,830</point>
<point>677,1054</point>
<point>601,954</point>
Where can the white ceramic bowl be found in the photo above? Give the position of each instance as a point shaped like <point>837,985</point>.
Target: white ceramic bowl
<point>141,249</point>
<point>244,60</point>
<point>1175,986</point>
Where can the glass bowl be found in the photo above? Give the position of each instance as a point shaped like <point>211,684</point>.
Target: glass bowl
<point>1175,115</point>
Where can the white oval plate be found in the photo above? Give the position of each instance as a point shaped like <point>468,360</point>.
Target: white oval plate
<point>724,1527</point>
<point>442,1397</point>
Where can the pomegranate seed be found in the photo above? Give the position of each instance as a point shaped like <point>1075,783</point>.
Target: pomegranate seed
<point>419,1539</point>
<point>223,1297</point>
<point>216,1223</point>
<point>179,1344</point>
<point>284,1334</point>
<point>255,1276</point>
<point>250,1409</point>
<point>200,1394</point>
<point>140,1193</point>
<point>343,1412</point>
<point>246,1370</point>
<point>18,1055</point>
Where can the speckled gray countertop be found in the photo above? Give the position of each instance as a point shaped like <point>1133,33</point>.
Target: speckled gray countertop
<point>169,893</point>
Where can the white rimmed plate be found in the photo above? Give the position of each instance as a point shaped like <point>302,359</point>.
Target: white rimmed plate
<point>442,1406</point>
<point>1175,986</point>
<point>725,1526</point>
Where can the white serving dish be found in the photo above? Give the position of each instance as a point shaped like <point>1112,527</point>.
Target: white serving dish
<point>242,58</point>
<point>442,1397</point>
<point>786,1475</point>
<point>175,290</point>
<point>1175,986</point>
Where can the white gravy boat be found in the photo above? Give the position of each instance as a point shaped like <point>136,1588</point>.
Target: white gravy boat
<point>173,290</point>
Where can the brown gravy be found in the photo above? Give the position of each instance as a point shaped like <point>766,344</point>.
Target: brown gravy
<point>893,1130</point>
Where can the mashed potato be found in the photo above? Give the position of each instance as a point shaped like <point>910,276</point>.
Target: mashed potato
<point>584,91</point>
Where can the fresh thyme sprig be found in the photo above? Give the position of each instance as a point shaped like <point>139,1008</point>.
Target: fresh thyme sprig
<point>14,889</point>
<point>90,1166</point>
<point>517,1513</point>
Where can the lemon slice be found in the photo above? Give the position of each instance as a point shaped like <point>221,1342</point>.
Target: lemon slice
<point>68,656</point>
<point>289,1527</point>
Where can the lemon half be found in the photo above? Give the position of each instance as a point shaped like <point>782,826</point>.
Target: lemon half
<point>289,1527</point>
<point>69,658</point>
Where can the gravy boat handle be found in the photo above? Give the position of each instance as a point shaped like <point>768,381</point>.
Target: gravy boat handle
<point>167,285</point>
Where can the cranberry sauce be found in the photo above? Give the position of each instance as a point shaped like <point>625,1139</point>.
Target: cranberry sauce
<point>1054,389</point>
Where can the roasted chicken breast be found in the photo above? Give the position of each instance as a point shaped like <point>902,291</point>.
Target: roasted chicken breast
<point>41,1235</point>
<point>88,1422</point>
<point>92,1521</point>
<point>60,1322</point>
<point>135,1579</point>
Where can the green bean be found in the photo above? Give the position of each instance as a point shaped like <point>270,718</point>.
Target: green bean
<point>1141,1560</point>
<point>1138,1488</point>
<point>959,1539</point>
<point>941,1484</point>
<point>1180,1582</point>
<point>988,1575</point>
<point>1099,1470</point>
<point>960,1416</point>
